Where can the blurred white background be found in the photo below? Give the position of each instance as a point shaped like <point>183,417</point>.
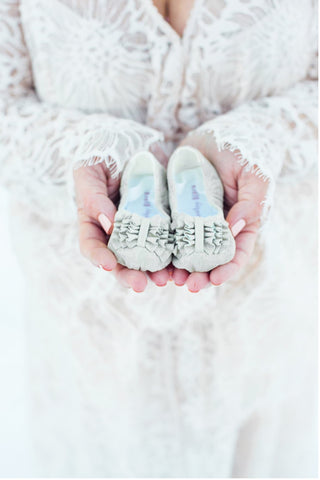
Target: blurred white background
<point>16,457</point>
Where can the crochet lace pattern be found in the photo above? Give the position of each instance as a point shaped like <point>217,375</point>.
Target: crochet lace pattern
<point>60,108</point>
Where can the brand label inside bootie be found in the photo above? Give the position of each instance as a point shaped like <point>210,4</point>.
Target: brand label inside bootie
<point>192,198</point>
<point>141,196</point>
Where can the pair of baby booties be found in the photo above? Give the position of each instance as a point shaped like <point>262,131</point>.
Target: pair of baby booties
<point>192,233</point>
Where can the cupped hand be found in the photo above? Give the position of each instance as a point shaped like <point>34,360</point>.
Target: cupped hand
<point>97,194</point>
<point>244,193</point>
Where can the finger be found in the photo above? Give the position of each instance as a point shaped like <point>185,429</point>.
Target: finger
<point>113,187</point>
<point>92,243</point>
<point>248,209</point>
<point>134,279</point>
<point>92,197</point>
<point>159,153</point>
<point>170,269</point>
<point>180,276</point>
<point>245,242</point>
<point>197,280</point>
<point>160,278</point>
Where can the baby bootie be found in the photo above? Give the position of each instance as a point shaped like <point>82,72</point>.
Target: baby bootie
<point>203,239</point>
<point>141,238</point>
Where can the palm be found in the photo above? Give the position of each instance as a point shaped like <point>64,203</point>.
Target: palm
<point>244,193</point>
<point>224,162</point>
<point>98,192</point>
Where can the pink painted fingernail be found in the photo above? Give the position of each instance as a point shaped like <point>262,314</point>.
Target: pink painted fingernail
<point>105,222</point>
<point>237,227</point>
<point>106,269</point>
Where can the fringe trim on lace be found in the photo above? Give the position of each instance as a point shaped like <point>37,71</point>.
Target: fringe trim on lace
<point>114,160</point>
<point>252,166</point>
<point>112,163</point>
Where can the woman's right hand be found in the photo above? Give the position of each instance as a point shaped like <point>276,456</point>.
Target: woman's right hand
<point>96,194</point>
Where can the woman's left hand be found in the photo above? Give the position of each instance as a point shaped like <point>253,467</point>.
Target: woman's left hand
<point>244,193</point>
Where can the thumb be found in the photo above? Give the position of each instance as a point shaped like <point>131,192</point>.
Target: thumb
<point>246,212</point>
<point>92,197</point>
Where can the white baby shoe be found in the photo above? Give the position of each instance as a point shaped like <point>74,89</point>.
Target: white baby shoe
<point>141,237</point>
<point>203,239</point>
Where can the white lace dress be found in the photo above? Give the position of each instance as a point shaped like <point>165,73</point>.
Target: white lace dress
<point>165,383</point>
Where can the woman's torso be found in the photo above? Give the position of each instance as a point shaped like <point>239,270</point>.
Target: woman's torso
<point>122,57</point>
<point>175,12</point>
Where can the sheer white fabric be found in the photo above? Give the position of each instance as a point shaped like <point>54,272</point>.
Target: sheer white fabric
<point>162,384</point>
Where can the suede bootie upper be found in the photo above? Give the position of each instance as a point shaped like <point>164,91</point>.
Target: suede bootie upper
<point>141,237</point>
<point>203,239</point>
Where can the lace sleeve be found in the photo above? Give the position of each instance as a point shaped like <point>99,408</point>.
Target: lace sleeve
<point>278,134</point>
<point>41,144</point>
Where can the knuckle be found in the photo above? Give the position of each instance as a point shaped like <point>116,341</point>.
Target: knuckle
<point>82,215</point>
<point>80,210</point>
<point>86,207</point>
<point>83,249</point>
<point>253,208</point>
<point>256,211</point>
<point>89,204</point>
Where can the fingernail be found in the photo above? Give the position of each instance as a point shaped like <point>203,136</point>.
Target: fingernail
<point>237,227</point>
<point>105,222</point>
<point>161,284</point>
<point>106,269</point>
<point>170,272</point>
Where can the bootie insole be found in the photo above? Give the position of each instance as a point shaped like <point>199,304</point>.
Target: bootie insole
<point>141,196</point>
<point>191,194</point>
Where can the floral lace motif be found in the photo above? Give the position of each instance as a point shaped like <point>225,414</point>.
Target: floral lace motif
<point>89,112</point>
